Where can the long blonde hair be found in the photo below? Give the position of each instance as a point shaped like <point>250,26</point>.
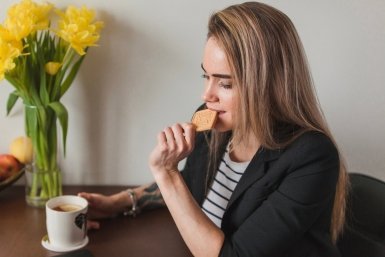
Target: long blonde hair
<point>276,97</point>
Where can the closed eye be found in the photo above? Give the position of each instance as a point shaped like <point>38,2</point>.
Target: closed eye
<point>225,85</point>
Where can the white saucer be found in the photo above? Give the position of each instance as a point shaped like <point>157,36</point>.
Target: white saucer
<point>46,244</point>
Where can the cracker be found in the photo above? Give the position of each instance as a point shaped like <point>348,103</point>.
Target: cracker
<point>204,119</point>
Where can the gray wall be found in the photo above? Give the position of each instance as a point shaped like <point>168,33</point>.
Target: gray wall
<point>146,74</point>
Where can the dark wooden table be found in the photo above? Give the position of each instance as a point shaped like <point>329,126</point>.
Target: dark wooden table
<point>150,234</point>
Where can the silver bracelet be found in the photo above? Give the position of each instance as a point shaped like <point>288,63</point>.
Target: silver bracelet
<point>134,207</point>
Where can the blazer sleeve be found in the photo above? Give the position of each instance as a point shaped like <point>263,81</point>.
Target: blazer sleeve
<point>304,196</point>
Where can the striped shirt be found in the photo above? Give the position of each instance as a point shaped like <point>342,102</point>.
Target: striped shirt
<point>226,179</point>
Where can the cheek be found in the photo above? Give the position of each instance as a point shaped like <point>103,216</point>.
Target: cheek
<point>226,95</point>
<point>229,102</point>
<point>229,106</point>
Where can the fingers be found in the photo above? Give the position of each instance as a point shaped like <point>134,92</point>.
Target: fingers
<point>179,137</point>
<point>174,144</point>
<point>89,197</point>
<point>189,134</point>
<point>170,135</point>
<point>179,142</point>
<point>84,195</point>
<point>92,225</point>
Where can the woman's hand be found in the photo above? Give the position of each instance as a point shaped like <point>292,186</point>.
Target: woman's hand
<point>103,206</point>
<point>174,144</point>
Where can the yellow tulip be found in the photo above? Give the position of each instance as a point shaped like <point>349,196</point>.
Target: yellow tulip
<point>27,17</point>
<point>52,68</point>
<point>78,28</point>
<point>8,52</point>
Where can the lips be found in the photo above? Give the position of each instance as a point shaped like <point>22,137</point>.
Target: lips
<point>213,109</point>
<point>218,111</point>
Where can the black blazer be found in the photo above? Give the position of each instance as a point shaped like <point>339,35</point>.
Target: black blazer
<point>282,205</point>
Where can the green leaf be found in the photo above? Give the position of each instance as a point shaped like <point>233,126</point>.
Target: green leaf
<point>43,87</point>
<point>62,114</point>
<point>12,99</point>
<point>14,82</point>
<point>31,124</point>
<point>71,76</point>
<point>43,117</point>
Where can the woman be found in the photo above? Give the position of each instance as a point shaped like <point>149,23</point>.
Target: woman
<point>268,179</point>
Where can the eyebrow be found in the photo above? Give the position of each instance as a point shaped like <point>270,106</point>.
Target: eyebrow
<point>222,76</point>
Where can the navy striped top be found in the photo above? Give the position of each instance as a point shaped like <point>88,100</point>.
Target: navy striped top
<point>226,179</point>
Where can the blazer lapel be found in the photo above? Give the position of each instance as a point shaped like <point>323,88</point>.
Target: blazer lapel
<point>254,171</point>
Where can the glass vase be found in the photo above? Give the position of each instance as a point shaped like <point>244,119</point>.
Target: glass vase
<point>43,176</point>
<point>41,185</point>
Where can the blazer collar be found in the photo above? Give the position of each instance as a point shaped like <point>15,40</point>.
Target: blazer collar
<point>254,171</point>
<point>269,154</point>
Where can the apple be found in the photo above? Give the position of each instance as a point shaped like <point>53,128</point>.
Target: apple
<point>9,166</point>
<point>21,148</point>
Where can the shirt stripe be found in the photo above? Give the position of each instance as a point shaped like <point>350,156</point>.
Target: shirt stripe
<point>226,179</point>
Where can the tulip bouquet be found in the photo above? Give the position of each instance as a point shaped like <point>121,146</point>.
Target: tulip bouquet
<point>41,61</point>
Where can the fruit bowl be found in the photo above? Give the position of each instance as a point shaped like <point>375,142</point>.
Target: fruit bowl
<point>9,181</point>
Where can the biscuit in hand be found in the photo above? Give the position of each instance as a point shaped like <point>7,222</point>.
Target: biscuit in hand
<point>204,119</point>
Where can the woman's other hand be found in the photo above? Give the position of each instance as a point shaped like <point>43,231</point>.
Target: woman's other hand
<point>103,206</point>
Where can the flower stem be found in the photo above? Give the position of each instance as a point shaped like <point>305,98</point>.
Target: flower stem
<point>46,177</point>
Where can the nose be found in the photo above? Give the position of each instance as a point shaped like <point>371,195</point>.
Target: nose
<point>209,94</point>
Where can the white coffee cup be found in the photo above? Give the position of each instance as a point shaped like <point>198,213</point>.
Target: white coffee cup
<point>66,221</point>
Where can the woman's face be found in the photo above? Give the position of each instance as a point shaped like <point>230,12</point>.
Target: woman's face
<point>219,93</point>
